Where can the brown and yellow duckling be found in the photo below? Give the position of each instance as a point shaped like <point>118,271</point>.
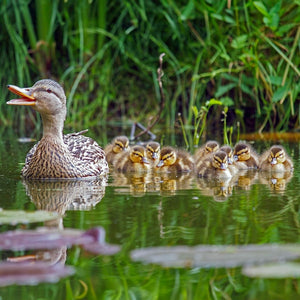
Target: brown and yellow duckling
<point>153,153</point>
<point>245,157</point>
<point>207,148</point>
<point>276,159</point>
<point>134,160</point>
<point>117,146</point>
<point>215,166</point>
<point>56,155</point>
<point>172,160</point>
<point>231,164</point>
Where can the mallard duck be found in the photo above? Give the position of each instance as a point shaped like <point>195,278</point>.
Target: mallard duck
<point>172,160</point>
<point>55,155</point>
<point>134,160</point>
<point>153,152</point>
<point>231,164</point>
<point>118,144</point>
<point>208,147</point>
<point>215,165</point>
<point>276,159</point>
<point>245,157</point>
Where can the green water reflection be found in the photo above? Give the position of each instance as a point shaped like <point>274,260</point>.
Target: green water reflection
<point>145,212</point>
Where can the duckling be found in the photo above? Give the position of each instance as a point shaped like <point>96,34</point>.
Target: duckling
<point>231,165</point>
<point>208,147</point>
<point>133,160</point>
<point>117,146</point>
<point>153,153</point>
<point>215,165</point>
<point>245,157</point>
<point>57,155</point>
<point>276,159</point>
<point>172,160</point>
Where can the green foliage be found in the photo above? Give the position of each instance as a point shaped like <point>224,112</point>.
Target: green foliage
<point>106,54</point>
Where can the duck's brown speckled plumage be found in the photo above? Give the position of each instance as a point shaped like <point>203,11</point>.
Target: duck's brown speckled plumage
<point>57,155</point>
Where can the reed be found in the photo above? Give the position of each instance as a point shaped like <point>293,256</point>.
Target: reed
<point>106,56</point>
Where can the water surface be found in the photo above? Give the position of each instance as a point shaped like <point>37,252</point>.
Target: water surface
<point>139,212</point>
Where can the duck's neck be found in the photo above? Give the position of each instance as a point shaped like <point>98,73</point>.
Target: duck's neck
<point>53,126</point>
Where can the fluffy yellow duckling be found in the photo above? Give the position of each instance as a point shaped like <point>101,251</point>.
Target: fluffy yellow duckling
<point>117,146</point>
<point>245,157</point>
<point>153,153</point>
<point>276,159</point>
<point>133,160</point>
<point>172,160</point>
<point>215,165</point>
<point>208,147</point>
<point>231,164</point>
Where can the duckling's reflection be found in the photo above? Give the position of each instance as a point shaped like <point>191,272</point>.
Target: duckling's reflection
<point>60,196</point>
<point>276,181</point>
<point>220,188</point>
<point>139,184</point>
<point>245,179</point>
<point>170,183</point>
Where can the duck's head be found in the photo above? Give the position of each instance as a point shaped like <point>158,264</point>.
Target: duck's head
<point>45,96</point>
<point>228,150</point>
<point>138,155</point>
<point>241,152</point>
<point>120,143</point>
<point>153,151</point>
<point>277,155</point>
<point>220,160</point>
<point>211,146</point>
<point>167,157</point>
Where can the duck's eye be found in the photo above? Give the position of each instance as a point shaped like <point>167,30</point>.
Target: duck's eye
<point>49,91</point>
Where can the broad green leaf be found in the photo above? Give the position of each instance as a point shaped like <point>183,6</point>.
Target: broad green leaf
<point>187,11</point>
<point>261,8</point>
<point>276,80</point>
<point>227,101</point>
<point>239,42</point>
<point>280,93</point>
<point>212,102</point>
<point>224,89</point>
<point>14,217</point>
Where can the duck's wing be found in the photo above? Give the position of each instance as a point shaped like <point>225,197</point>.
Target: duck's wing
<point>87,151</point>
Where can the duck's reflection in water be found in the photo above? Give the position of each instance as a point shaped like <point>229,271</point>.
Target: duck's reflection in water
<point>59,196</point>
<point>62,195</point>
<point>276,181</point>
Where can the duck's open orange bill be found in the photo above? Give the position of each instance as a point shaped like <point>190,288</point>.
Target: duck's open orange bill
<point>26,99</point>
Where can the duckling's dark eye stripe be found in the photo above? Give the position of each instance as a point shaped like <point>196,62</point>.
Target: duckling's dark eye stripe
<point>119,144</point>
<point>243,151</point>
<point>167,156</point>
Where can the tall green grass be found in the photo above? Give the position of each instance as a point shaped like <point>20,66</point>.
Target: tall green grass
<point>244,54</point>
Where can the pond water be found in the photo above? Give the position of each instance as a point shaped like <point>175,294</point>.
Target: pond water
<point>138,212</point>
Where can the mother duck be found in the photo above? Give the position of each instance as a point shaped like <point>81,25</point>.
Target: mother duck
<point>57,155</point>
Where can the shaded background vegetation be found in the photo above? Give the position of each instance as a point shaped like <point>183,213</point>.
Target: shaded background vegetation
<point>244,53</point>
